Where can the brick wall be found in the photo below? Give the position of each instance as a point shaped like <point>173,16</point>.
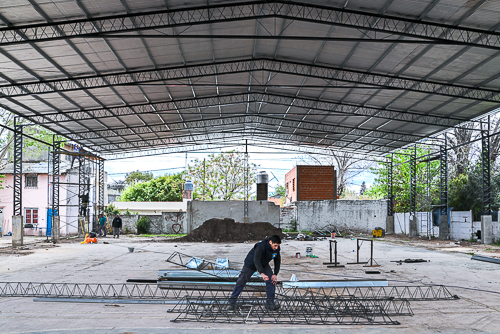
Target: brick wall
<point>291,186</point>
<point>316,183</point>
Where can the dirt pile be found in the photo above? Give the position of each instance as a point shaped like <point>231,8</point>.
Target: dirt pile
<point>223,230</point>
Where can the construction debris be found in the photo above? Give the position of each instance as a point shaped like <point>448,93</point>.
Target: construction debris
<point>411,261</point>
<point>227,230</point>
<point>486,259</point>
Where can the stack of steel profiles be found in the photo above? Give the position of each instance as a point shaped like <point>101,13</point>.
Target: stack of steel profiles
<point>310,311</point>
<point>195,275</point>
<point>203,265</point>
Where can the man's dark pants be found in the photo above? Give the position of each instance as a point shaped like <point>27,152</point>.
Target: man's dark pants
<point>245,276</point>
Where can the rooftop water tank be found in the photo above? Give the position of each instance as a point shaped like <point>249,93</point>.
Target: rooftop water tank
<point>262,180</point>
<point>262,177</point>
<point>188,185</point>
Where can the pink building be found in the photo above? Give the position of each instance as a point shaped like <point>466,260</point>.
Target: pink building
<point>36,195</point>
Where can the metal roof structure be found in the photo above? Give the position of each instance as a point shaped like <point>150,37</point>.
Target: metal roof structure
<point>369,77</point>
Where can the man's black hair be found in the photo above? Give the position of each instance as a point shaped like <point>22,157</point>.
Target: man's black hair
<point>275,239</point>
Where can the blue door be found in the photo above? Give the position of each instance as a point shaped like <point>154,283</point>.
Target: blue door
<point>49,222</point>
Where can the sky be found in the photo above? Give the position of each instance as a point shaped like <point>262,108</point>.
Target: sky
<point>274,162</point>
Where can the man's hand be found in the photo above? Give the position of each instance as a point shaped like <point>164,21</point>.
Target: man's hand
<point>274,279</point>
<point>264,277</point>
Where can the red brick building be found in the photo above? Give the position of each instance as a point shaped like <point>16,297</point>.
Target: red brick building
<point>310,183</point>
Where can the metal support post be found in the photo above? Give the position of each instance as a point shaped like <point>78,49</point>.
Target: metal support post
<point>18,167</point>
<point>413,182</point>
<point>245,202</point>
<point>486,166</point>
<point>390,210</point>
<point>83,195</point>
<point>17,218</point>
<point>56,172</point>
<point>101,187</point>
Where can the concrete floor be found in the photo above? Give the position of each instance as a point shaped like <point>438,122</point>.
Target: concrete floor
<point>475,282</point>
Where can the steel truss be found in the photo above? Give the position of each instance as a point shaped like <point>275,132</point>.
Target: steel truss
<point>390,209</point>
<point>100,203</point>
<point>299,310</point>
<point>18,168</point>
<point>443,178</point>
<point>413,182</point>
<point>101,27</point>
<point>313,106</point>
<point>486,166</point>
<point>83,185</point>
<point>229,136</point>
<point>177,290</point>
<point>245,119</point>
<point>56,172</point>
<point>333,76</point>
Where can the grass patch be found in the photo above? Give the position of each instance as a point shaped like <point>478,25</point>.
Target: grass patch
<point>470,254</point>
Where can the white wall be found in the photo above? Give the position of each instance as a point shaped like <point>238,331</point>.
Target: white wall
<point>424,224</point>
<point>461,225</point>
<point>353,215</point>
<point>259,211</point>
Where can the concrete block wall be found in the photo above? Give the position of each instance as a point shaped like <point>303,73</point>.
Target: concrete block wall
<point>159,224</point>
<point>353,215</point>
<point>462,226</point>
<point>259,211</point>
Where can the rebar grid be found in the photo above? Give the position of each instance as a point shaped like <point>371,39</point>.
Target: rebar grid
<point>175,291</point>
<point>310,311</point>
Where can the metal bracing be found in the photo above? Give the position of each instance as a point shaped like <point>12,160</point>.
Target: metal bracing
<point>413,182</point>
<point>100,203</point>
<point>486,166</point>
<point>249,133</point>
<point>169,19</point>
<point>56,172</point>
<point>316,107</point>
<point>390,209</point>
<point>18,168</point>
<point>443,179</point>
<point>333,75</point>
<point>235,120</point>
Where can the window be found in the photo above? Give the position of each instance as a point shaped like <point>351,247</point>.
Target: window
<point>31,181</point>
<point>293,184</point>
<point>31,215</point>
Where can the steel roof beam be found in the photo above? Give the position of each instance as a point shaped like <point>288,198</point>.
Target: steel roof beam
<point>320,107</point>
<point>329,74</point>
<point>256,118</point>
<point>231,134</point>
<point>245,11</point>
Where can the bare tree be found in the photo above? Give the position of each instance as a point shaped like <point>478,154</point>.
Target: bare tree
<point>347,166</point>
<point>460,140</point>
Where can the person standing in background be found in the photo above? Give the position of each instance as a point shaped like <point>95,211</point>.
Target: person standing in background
<point>117,225</point>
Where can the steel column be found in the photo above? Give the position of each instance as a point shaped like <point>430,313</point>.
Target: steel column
<point>100,204</point>
<point>486,166</point>
<point>56,161</point>
<point>413,182</point>
<point>390,210</point>
<point>18,167</point>
<point>246,193</point>
<point>83,193</point>
<point>443,178</point>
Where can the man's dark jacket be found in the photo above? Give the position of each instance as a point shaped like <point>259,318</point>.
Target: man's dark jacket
<point>260,255</point>
<point>117,222</point>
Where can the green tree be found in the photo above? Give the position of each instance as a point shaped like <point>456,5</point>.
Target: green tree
<point>401,180</point>
<point>466,191</point>
<point>221,176</point>
<point>280,190</point>
<point>137,176</point>
<point>160,189</point>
